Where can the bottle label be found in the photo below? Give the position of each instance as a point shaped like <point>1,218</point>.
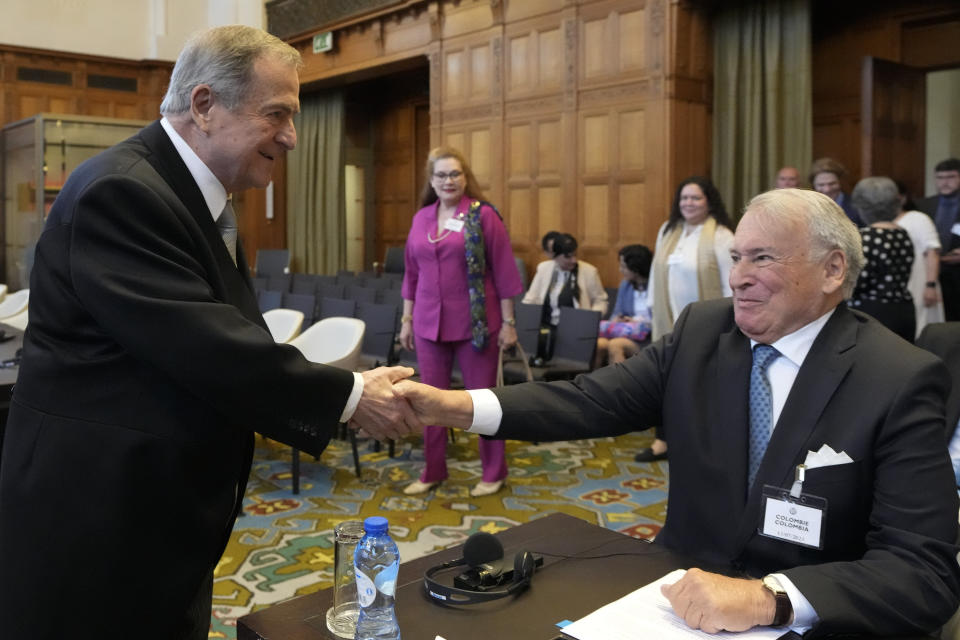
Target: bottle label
<point>366,591</point>
<point>386,580</point>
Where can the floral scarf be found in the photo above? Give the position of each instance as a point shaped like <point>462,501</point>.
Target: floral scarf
<point>476,271</point>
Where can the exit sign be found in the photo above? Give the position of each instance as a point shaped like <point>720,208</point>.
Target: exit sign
<point>323,42</point>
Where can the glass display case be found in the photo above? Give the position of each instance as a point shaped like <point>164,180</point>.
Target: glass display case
<point>38,155</point>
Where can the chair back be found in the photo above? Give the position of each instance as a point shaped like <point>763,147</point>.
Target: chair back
<point>305,303</point>
<point>393,260</point>
<point>267,300</point>
<point>577,332</point>
<point>304,283</point>
<point>330,290</point>
<point>279,282</point>
<point>18,321</point>
<point>381,321</point>
<point>284,324</point>
<point>390,296</point>
<point>942,339</point>
<point>336,307</point>
<point>360,293</point>
<point>612,293</point>
<point>333,341</point>
<point>272,262</point>
<point>14,303</point>
<point>522,270</point>
<point>3,291</point>
<point>528,325</point>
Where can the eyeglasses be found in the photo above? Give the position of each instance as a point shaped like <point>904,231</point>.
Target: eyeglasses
<point>442,177</point>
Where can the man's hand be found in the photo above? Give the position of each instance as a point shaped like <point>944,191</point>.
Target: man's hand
<point>382,413</point>
<point>715,603</point>
<point>435,406</point>
<point>951,257</point>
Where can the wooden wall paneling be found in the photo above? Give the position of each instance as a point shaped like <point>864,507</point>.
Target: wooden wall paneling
<point>932,43</point>
<point>516,11</point>
<point>465,16</point>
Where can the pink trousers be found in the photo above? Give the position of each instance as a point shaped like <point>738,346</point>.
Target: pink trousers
<point>479,370</point>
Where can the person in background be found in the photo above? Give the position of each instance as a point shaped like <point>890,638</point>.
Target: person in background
<point>881,289</point>
<point>147,364</point>
<point>749,388</point>
<point>788,178</point>
<point>691,262</point>
<point>632,307</point>
<point>944,209</point>
<point>546,243</point>
<point>923,285</point>
<point>564,281</point>
<point>458,289</point>
<point>825,176</point>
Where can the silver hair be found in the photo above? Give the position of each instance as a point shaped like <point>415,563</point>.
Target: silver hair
<point>829,227</point>
<point>223,58</point>
<point>877,199</point>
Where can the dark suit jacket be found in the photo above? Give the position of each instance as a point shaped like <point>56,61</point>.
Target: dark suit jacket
<point>888,564</point>
<point>146,366</point>
<point>943,340</point>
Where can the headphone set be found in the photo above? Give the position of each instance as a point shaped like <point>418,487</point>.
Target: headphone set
<point>484,579</point>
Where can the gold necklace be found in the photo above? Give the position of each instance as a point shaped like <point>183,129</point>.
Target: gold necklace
<point>440,237</point>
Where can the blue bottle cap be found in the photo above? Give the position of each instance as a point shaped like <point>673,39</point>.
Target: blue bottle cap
<point>375,524</point>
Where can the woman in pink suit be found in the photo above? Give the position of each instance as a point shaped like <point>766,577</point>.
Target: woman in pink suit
<point>458,287</point>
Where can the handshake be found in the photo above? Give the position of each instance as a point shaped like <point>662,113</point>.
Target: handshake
<point>392,406</point>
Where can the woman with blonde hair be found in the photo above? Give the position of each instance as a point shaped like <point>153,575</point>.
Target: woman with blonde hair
<point>458,290</point>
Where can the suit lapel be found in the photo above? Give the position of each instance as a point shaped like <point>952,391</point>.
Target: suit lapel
<point>167,162</point>
<point>733,384</point>
<point>824,368</point>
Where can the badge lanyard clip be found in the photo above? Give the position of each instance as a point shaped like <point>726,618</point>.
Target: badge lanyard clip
<point>798,476</point>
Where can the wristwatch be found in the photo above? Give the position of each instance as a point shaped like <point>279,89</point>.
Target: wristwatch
<point>510,321</point>
<point>784,612</point>
<point>932,284</point>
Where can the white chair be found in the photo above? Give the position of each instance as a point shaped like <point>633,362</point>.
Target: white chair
<point>3,291</point>
<point>284,324</point>
<point>333,341</point>
<point>14,303</point>
<point>18,321</point>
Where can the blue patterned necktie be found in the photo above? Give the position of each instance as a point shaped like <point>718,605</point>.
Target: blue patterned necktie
<point>227,225</point>
<point>761,407</point>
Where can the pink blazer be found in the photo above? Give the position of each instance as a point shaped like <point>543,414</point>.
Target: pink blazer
<point>436,275</point>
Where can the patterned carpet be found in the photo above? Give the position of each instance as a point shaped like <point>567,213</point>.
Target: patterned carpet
<point>282,546</point>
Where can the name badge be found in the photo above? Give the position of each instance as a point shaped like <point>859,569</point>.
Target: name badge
<point>955,229</point>
<point>454,225</point>
<point>793,516</point>
<point>675,258</point>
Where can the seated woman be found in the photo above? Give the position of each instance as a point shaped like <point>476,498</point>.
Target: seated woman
<point>881,289</point>
<point>564,282</point>
<point>632,310</point>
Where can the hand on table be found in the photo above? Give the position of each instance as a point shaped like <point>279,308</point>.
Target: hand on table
<point>713,602</point>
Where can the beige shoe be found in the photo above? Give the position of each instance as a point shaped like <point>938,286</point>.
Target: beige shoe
<point>486,488</point>
<point>416,487</point>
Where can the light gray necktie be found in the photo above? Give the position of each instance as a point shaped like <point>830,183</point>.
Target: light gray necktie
<point>227,224</point>
<point>761,408</point>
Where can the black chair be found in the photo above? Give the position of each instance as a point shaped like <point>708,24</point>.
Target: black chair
<point>381,332</point>
<point>350,281</point>
<point>576,348</point>
<point>267,300</point>
<point>360,293</point>
<point>304,283</point>
<point>522,270</point>
<point>393,260</point>
<point>390,296</point>
<point>279,282</point>
<point>335,307</point>
<point>305,303</point>
<point>329,290</point>
<point>378,283</point>
<point>259,284</point>
<point>326,280</point>
<point>528,334</point>
<point>272,262</point>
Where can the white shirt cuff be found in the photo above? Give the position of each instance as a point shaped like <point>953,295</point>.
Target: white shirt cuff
<point>487,412</point>
<point>354,398</point>
<point>804,615</point>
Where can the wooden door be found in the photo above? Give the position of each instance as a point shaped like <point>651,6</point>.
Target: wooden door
<point>893,116</point>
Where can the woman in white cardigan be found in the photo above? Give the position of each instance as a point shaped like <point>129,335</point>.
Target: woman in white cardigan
<point>691,262</point>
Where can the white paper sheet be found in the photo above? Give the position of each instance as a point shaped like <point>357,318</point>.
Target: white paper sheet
<point>645,614</point>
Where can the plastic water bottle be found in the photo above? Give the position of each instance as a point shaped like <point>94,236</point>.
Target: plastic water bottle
<point>376,563</point>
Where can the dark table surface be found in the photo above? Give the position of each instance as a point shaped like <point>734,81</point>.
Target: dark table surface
<point>565,588</point>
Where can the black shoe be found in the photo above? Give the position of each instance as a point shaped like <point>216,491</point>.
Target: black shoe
<point>647,455</point>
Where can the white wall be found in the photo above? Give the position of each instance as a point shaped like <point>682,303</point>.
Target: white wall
<point>943,120</point>
<point>135,29</point>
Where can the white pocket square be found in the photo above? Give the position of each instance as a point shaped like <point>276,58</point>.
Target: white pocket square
<point>826,457</point>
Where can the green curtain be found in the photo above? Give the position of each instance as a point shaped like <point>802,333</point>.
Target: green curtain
<point>316,219</point>
<point>762,96</point>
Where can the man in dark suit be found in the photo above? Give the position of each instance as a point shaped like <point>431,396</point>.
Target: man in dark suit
<point>944,208</point>
<point>885,562</point>
<point>825,176</point>
<point>147,365</point>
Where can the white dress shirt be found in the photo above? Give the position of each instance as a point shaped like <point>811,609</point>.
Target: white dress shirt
<point>782,372</point>
<point>215,195</point>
